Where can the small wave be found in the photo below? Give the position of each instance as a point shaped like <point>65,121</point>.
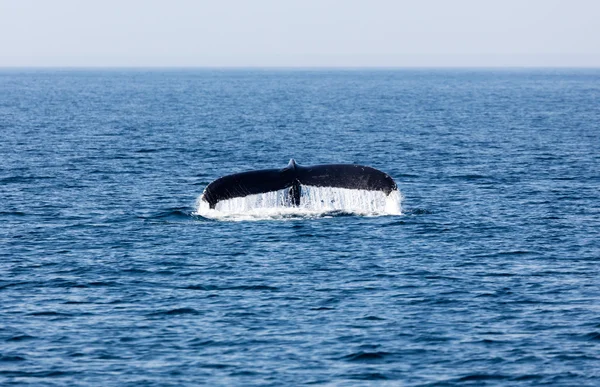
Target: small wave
<point>244,373</point>
<point>252,287</point>
<point>12,284</point>
<point>372,318</point>
<point>499,274</point>
<point>107,356</point>
<point>49,314</point>
<point>593,336</point>
<point>200,287</point>
<point>368,376</point>
<point>240,287</point>
<point>8,358</point>
<point>102,283</point>
<point>567,357</point>
<point>176,312</point>
<point>418,211</point>
<point>35,374</point>
<point>203,342</point>
<point>481,377</point>
<point>527,377</point>
<point>217,366</point>
<point>23,179</point>
<point>171,213</point>
<point>366,356</point>
<point>20,338</point>
<point>470,176</point>
<point>514,252</point>
<point>397,223</point>
<point>12,213</point>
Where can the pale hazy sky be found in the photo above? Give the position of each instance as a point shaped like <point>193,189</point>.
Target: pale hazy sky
<point>300,33</point>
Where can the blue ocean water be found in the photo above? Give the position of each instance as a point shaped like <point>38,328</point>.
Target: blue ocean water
<point>490,276</point>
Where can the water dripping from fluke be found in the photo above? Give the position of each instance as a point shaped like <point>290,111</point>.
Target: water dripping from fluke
<point>315,202</point>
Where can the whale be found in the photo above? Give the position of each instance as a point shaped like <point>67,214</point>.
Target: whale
<point>293,177</point>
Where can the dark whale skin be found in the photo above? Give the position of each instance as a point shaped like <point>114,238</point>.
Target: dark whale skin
<point>293,176</point>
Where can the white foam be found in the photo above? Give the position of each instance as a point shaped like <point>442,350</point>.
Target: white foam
<point>314,202</point>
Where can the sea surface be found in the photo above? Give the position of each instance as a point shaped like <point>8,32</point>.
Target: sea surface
<point>490,275</point>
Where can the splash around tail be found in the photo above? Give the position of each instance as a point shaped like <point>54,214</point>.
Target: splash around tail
<point>315,202</point>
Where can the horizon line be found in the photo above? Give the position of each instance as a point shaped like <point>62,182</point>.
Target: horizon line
<point>292,67</point>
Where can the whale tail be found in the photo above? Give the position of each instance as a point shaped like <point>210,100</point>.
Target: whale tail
<point>293,177</point>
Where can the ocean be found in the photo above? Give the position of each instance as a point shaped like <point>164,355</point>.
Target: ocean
<point>489,273</point>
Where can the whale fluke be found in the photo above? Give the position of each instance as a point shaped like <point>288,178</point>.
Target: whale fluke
<point>293,176</point>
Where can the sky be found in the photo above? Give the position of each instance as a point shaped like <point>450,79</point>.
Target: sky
<point>300,33</point>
